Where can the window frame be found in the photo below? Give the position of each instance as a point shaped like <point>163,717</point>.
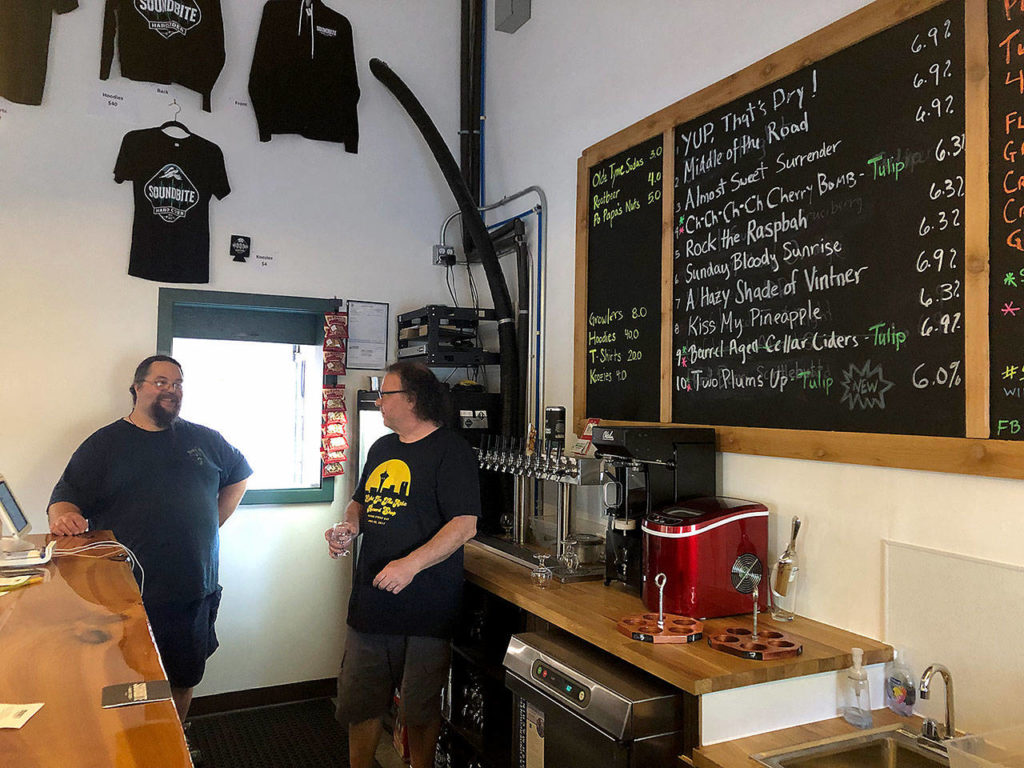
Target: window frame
<point>169,298</point>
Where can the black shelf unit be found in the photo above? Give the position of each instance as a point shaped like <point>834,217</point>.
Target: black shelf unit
<point>442,336</point>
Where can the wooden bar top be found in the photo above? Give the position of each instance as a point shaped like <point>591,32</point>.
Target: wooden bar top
<point>62,641</point>
<point>591,611</point>
<point>736,754</point>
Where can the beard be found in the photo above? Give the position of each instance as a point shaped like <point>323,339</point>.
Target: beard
<point>164,410</point>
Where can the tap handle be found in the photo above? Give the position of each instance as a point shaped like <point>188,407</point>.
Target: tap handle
<point>754,595</point>
<point>659,581</point>
<point>796,530</point>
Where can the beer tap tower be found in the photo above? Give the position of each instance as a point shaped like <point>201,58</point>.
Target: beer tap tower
<point>529,461</point>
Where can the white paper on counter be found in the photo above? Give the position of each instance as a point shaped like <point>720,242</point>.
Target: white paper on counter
<point>16,715</point>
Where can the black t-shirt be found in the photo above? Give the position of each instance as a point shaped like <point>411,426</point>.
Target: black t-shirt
<point>25,46</point>
<point>157,491</point>
<point>410,491</point>
<point>173,181</point>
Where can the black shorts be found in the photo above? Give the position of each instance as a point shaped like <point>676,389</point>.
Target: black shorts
<point>374,665</point>
<point>185,637</point>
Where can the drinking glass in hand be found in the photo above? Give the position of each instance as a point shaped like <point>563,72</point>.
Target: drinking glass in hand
<point>341,536</point>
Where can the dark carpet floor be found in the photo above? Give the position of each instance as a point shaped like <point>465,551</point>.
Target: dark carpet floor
<point>300,735</point>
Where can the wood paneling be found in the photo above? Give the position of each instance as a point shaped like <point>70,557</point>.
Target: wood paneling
<point>63,641</point>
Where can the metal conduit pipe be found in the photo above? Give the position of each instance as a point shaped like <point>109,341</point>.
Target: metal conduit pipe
<point>478,232</point>
<point>538,299</point>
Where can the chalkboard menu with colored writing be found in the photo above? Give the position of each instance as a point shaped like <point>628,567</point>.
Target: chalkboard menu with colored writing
<point>1006,220</point>
<point>623,319</point>
<point>819,243</point>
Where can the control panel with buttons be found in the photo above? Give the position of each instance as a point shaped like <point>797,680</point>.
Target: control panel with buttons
<point>564,686</point>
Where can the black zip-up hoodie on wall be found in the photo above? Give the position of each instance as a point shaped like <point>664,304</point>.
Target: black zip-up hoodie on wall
<point>165,41</point>
<point>303,77</point>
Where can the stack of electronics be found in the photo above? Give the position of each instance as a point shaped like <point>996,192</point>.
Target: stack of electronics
<point>444,336</point>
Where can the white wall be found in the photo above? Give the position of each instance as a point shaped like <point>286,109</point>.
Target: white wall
<point>73,324</point>
<point>580,71</point>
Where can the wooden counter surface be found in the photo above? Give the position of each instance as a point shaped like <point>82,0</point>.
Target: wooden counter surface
<point>736,754</point>
<point>591,611</point>
<point>62,641</point>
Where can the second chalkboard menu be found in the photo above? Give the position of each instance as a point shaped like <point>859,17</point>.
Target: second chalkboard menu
<point>819,244</point>
<point>623,321</point>
<point>1006,221</point>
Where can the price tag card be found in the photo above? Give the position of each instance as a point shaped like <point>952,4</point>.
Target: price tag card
<point>265,262</point>
<point>114,105</point>
<point>5,112</point>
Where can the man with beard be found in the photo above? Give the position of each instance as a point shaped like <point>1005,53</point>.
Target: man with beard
<point>164,486</point>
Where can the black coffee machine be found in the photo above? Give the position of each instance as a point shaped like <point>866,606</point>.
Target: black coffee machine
<point>647,468</point>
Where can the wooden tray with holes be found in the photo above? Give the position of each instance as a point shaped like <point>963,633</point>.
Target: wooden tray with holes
<point>678,629</point>
<point>770,643</point>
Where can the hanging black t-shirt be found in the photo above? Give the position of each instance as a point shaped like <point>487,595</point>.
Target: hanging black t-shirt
<point>165,41</point>
<point>25,46</point>
<point>157,491</point>
<point>173,180</point>
<point>410,491</point>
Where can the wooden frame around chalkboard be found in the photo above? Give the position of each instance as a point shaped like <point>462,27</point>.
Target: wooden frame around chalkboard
<point>974,454</point>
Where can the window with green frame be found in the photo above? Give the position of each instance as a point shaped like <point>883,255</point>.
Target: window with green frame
<point>253,370</point>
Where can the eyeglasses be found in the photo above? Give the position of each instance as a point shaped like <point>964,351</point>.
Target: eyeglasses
<point>382,392</point>
<point>163,384</point>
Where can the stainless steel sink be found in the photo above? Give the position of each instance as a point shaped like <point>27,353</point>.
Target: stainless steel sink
<point>889,747</point>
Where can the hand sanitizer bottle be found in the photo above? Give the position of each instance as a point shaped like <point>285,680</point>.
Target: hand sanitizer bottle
<point>900,690</point>
<point>857,697</point>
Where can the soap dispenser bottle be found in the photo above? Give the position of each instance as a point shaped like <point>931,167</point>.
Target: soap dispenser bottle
<point>900,688</point>
<point>856,695</point>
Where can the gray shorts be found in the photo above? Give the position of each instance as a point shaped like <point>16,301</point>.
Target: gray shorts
<point>374,665</point>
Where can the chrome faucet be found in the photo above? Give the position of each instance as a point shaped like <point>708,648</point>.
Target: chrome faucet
<point>929,728</point>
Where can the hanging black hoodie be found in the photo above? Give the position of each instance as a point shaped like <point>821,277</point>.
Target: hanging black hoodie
<point>166,41</point>
<point>303,76</point>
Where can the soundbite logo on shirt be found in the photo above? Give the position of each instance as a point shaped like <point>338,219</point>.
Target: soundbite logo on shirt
<point>171,193</point>
<point>170,17</point>
<point>327,31</point>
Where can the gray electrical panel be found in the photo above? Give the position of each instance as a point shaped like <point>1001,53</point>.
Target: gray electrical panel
<point>510,15</point>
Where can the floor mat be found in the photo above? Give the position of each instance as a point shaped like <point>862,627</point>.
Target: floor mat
<point>300,735</point>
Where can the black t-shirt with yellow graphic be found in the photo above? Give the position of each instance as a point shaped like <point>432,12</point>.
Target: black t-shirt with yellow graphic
<point>410,491</point>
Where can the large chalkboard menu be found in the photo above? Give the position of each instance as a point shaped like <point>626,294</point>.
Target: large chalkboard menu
<point>1006,220</point>
<point>623,319</point>
<point>819,243</point>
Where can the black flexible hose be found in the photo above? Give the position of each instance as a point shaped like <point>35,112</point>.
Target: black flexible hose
<point>481,240</point>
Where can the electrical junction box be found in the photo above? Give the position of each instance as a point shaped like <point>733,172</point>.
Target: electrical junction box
<point>444,256</point>
<point>510,15</point>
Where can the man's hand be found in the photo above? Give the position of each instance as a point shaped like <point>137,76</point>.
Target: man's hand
<point>396,575</point>
<point>67,520</point>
